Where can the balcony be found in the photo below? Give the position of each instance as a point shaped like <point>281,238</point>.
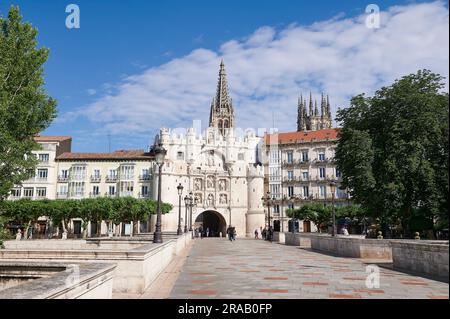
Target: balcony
<point>126,194</point>
<point>94,195</point>
<point>126,177</point>
<point>96,178</point>
<point>76,194</point>
<point>62,195</point>
<point>143,195</point>
<point>77,177</point>
<point>112,179</point>
<point>145,178</point>
<point>63,179</point>
<point>109,195</point>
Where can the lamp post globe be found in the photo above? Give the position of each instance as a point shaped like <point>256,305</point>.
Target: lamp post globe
<point>160,153</point>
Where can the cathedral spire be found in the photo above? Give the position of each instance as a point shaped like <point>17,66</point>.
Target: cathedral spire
<point>328,107</point>
<point>222,113</point>
<point>311,112</point>
<point>323,107</point>
<point>301,118</point>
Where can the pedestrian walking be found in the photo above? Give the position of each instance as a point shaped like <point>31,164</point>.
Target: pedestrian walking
<point>200,231</point>
<point>207,232</point>
<point>256,234</point>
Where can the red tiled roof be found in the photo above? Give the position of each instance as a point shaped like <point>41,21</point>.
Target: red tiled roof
<point>117,155</point>
<point>292,137</point>
<point>39,138</point>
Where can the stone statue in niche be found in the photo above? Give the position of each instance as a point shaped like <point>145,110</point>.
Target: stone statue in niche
<point>223,199</point>
<point>210,182</point>
<point>211,159</point>
<point>222,185</point>
<point>199,198</point>
<point>198,184</point>
<point>211,137</point>
<point>210,200</point>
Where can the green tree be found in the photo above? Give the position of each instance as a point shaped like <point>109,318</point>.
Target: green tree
<point>25,107</point>
<point>393,150</point>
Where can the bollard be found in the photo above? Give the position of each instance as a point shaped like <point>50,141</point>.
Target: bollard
<point>380,235</point>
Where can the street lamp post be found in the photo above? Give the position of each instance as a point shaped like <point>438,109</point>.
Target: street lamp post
<point>283,201</point>
<point>186,205</point>
<point>333,190</point>
<point>160,153</point>
<point>180,192</point>
<point>267,200</point>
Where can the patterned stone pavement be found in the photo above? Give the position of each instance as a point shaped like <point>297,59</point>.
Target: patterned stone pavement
<point>255,269</point>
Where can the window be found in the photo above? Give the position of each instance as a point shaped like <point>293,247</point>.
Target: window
<point>43,158</point>
<point>322,156</point>
<point>305,191</point>
<point>15,192</point>
<point>95,190</point>
<point>291,206</point>
<point>290,175</point>
<point>290,157</point>
<point>41,192</point>
<point>96,173</point>
<point>112,190</point>
<point>126,188</point>
<point>291,191</point>
<point>65,173</point>
<point>305,156</point>
<point>180,156</point>
<point>112,174</point>
<point>77,188</point>
<point>42,174</point>
<point>322,172</point>
<point>144,191</point>
<point>145,174</point>
<point>79,172</point>
<point>305,176</point>
<point>62,189</point>
<point>338,173</point>
<point>323,191</point>
<point>241,157</point>
<point>28,192</point>
<point>127,172</point>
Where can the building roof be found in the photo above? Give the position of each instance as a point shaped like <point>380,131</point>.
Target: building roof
<point>39,138</point>
<point>117,155</point>
<point>302,137</point>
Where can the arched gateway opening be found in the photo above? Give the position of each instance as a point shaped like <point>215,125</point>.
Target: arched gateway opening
<point>213,221</point>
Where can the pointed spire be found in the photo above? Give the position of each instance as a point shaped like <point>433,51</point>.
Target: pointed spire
<point>310,104</point>
<point>316,110</point>
<point>222,96</point>
<point>300,115</point>
<point>328,107</point>
<point>222,113</point>
<point>323,107</point>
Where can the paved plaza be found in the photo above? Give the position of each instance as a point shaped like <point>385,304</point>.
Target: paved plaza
<point>249,269</point>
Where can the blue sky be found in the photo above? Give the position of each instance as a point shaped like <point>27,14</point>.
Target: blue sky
<point>135,66</point>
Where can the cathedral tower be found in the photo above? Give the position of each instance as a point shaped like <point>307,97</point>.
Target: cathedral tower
<point>311,119</point>
<point>222,112</point>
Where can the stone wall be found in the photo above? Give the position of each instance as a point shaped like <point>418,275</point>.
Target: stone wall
<point>353,247</point>
<point>429,258</point>
<point>136,268</point>
<point>69,281</point>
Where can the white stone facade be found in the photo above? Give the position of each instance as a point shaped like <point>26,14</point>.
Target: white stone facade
<point>221,169</point>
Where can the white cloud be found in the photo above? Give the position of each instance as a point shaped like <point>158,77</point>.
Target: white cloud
<point>91,92</point>
<point>268,69</point>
